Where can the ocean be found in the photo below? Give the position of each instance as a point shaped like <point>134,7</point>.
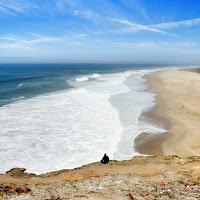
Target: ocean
<point>62,116</point>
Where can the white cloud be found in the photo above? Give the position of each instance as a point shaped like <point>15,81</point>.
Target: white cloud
<point>76,12</point>
<point>4,10</point>
<point>170,25</point>
<point>161,46</point>
<point>142,45</point>
<point>68,2</point>
<point>32,41</point>
<point>13,6</point>
<point>182,44</point>
<point>87,14</point>
<point>18,43</point>
<point>81,35</point>
<point>76,8</point>
<point>15,45</point>
<point>132,27</point>
<point>143,10</point>
<point>14,42</point>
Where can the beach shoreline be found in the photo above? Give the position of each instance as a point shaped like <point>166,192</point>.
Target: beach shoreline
<point>148,143</point>
<point>177,93</point>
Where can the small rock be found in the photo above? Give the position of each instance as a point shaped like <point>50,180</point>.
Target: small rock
<point>16,171</point>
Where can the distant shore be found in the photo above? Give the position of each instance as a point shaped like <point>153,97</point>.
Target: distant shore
<point>177,95</point>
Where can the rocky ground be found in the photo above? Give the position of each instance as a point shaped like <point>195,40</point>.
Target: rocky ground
<point>154,177</point>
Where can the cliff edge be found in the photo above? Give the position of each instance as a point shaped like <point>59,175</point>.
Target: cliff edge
<point>152,177</point>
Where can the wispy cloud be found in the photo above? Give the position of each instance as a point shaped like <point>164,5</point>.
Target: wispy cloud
<point>13,42</point>
<point>15,6</point>
<point>68,2</point>
<point>177,24</point>
<point>132,27</point>
<point>80,35</point>
<point>137,45</point>
<point>18,43</point>
<point>15,45</point>
<point>33,41</point>
<point>88,14</point>
<point>77,8</point>
<point>5,10</point>
<point>164,46</point>
<point>143,11</point>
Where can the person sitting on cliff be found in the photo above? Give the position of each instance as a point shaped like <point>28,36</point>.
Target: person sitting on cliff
<point>105,159</point>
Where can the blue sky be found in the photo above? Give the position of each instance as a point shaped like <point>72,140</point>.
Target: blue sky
<point>107,31</point>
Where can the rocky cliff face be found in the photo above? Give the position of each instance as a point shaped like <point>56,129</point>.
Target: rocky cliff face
<point>153,177</point>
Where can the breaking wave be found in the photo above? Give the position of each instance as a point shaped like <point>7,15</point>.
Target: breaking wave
<point>87,78</point>
<point>20,85</point>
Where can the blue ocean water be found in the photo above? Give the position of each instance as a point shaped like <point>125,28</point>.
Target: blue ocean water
<point>19,81</point>
<point>58,116</point>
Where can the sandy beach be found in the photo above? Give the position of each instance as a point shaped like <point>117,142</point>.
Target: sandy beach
<point>177,95</point>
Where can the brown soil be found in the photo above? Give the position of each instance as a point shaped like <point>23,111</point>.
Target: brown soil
<point>153,177</point>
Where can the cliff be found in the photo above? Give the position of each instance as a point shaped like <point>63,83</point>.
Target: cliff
<point>153,177</point>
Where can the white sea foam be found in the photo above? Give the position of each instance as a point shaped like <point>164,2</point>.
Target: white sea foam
<point>74,127</point>
<point>95,76</point>
<point>20,85</point>
<point>86,78</point>
<point>130,105</point>
<point>18,98</point>
<point>60,130</point>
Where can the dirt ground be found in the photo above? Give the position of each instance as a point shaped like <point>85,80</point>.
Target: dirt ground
<point>153,177</point>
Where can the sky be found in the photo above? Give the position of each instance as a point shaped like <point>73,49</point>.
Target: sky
<point>100,31</point>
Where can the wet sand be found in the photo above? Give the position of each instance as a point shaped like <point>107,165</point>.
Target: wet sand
<point>151,143</point>
<point>178,99</point>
